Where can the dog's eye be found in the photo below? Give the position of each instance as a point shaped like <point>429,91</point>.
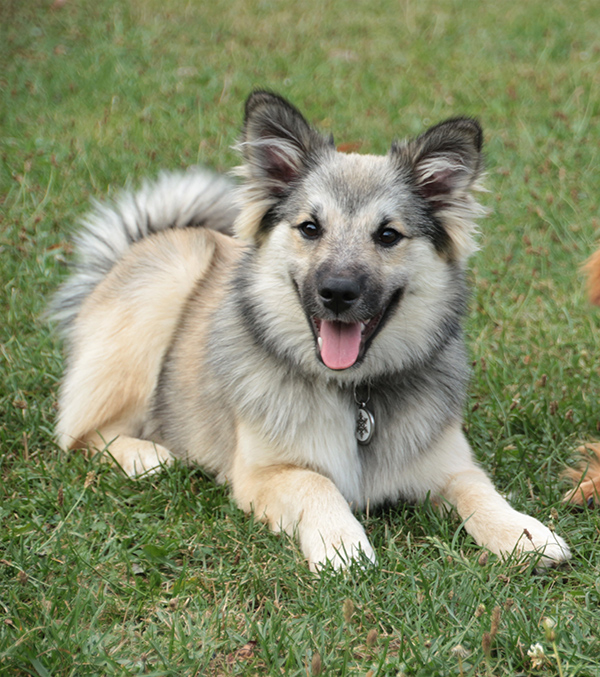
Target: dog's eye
<point>310,230</point>
<point>387,236</point>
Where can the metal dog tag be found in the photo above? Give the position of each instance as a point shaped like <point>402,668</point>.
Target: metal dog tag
<point>365,424</point>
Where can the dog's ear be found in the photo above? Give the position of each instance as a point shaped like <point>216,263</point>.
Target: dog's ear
<point>446,165</point>
<point>276,144</point>
<point>447,159</point>
<point>276,140</point>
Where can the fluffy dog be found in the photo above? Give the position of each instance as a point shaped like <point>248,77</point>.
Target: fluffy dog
<point>315,361</point>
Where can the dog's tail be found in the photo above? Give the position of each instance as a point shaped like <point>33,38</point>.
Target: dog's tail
<point>175,200</point>
<point>585,477</point>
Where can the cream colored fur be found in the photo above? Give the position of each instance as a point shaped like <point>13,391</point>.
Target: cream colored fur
<point>121,334</point>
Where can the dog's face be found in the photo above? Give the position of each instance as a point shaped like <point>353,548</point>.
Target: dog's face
<point>369,249</point>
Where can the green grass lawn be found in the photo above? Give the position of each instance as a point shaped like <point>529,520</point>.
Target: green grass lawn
<point>102,575</point>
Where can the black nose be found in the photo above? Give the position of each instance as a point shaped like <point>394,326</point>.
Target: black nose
<point>339,293</point>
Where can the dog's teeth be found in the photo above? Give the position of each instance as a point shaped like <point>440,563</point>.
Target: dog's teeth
<point>320,343</point>
<point>363,326</point>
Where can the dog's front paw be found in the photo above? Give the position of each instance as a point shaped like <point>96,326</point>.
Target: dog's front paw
<point>539,539</point>
<point>523,534</point>
<point>337,546</point>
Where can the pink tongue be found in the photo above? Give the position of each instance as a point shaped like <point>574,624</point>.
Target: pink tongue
<point>341,343</point>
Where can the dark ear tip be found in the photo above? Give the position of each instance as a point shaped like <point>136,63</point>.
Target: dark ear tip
<point>477,131</point>
<point>470,126</point>
<point>464,126</point>
<point>261,98</point>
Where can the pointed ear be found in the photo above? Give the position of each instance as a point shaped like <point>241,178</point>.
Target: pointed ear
<point>447,159</point>
<point>277,145</point>
<point>446,166</point>
<point>276,141</point>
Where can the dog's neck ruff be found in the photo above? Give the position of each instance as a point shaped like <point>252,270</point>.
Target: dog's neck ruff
<point>365,421</point>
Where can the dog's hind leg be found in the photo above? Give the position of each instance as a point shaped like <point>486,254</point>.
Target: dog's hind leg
<point>134,456</point>
<point>118,341</point>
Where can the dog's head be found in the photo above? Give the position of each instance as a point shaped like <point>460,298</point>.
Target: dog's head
<point>363,243</point>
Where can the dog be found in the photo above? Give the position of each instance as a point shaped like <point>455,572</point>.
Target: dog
<point>585,476</point>
<point>315,361</point>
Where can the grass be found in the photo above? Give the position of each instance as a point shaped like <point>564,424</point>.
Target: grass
<point>101,575</point>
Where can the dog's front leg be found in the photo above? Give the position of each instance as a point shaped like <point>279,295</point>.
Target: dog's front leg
<point>299,501</point>
<point>489,518</point>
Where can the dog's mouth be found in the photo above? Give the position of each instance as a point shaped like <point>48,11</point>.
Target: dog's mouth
<point>342,344</point>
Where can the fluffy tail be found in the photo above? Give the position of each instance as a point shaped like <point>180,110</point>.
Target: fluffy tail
<point>175,200</point>
<point>585,476</point>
